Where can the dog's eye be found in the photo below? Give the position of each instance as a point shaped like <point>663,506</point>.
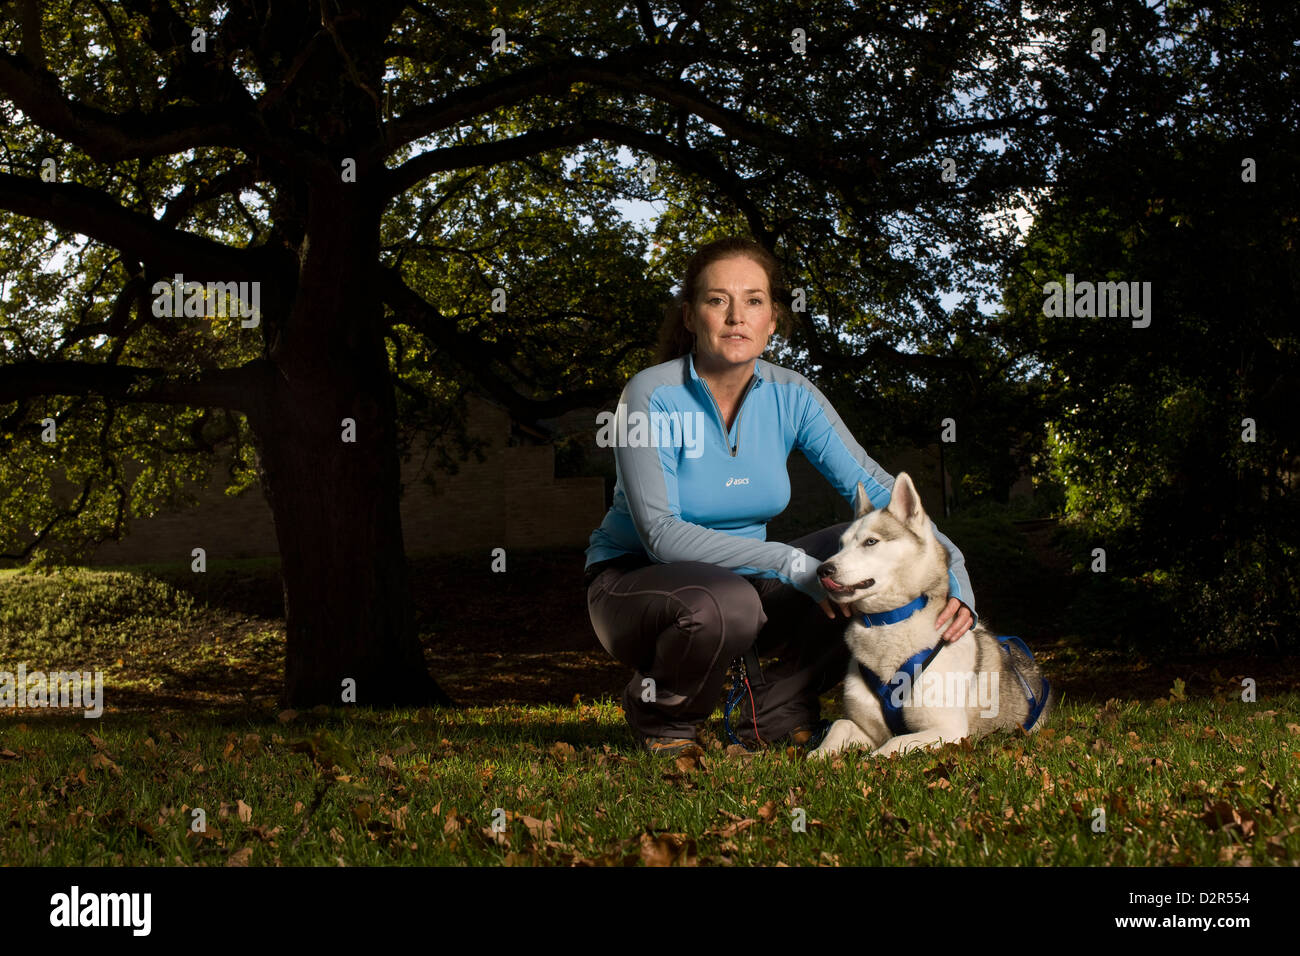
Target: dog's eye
<point>869,542</point>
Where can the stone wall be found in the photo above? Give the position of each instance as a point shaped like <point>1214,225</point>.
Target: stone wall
<point>510,500</point>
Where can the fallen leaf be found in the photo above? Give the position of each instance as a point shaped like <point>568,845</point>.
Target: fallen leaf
<point>538,829</point>
<point>102,762</point>
<point>667,849</point>
<point>731,829</point>
<point>691,761</point>
<point>245,812</point>
<point>240,857</point>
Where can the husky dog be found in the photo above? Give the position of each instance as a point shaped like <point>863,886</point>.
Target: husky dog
<point>893,573</point>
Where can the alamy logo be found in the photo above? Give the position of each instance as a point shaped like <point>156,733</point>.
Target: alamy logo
<point>195,300</point>
<point>737,481</point>
<point>624,429</point>
<point>55,689</point>
<point>1100,300</point>
<point>102,909</point>
<point>949,689</point>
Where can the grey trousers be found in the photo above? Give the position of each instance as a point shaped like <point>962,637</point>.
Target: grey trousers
<point>680,625</point>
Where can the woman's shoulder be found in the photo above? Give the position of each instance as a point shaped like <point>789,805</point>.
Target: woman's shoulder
<point>784,376</point>
<point>672,372</point>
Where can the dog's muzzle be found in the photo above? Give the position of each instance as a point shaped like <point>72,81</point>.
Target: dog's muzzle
<point>825,573</point>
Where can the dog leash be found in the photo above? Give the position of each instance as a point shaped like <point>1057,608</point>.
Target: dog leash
<point>740,681</point>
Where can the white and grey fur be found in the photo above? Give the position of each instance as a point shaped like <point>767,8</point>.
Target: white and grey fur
<point>887,558</point>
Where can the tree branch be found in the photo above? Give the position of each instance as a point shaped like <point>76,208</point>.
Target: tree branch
<point>466,351</point>
<point>235,388</point>
<point>108,137</point>
<point>434,161</point>
<point>554,77</point>
<point>97,215</point>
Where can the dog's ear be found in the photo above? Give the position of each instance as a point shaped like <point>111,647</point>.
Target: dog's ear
<point>861,503</point>
<point>905,501</point>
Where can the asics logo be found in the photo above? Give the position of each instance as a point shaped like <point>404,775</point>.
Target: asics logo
<point>737,481</point>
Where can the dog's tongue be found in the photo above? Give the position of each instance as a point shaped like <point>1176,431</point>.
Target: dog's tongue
<point>830,585</point>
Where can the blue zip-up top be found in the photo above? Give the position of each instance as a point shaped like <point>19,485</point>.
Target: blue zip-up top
<point>687,492</point>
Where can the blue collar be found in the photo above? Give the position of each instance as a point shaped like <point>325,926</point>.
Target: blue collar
<point>896,615</point>
<point>907,675</point>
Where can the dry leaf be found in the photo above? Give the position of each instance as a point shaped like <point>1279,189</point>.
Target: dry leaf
<point>245,812</point>
<point>691,761</point>
<point>101,761</point>
<point>731,829</point>
<point>667,849</point>
<point>240,857</point>
<point>538,829</point>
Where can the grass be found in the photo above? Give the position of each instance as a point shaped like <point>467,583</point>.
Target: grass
<point>1180,782</point>
<point>546,772</point>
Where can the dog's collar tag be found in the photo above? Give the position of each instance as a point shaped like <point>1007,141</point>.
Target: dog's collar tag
<point>896,615</point>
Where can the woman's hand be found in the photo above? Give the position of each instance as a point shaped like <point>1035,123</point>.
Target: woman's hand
<point>962,623</point>
<point>830,607</point>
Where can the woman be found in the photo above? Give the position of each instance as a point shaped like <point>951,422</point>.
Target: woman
<point>680,577</point>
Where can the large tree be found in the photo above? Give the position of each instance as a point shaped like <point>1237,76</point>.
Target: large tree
<point>1177,441</point>
<point>393,173</point>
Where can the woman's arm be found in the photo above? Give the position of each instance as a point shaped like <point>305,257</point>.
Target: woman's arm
<point>827,443</point>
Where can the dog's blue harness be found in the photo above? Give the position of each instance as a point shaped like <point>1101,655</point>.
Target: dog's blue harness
<point>910,673</point>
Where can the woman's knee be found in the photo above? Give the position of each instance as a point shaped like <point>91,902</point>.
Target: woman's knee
<point>720,606</point>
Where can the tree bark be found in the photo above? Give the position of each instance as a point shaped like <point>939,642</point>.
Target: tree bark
<point>348,606</point>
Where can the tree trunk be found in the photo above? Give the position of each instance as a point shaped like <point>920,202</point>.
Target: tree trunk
<point>335,501</point>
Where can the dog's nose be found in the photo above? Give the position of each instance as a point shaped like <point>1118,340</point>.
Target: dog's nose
<point>826,574</point>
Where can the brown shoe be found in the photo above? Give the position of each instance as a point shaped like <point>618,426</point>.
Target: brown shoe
<point>671,746</point>
<point>807,737</point>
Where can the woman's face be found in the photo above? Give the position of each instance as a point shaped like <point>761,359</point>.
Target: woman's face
<point>732,314</point>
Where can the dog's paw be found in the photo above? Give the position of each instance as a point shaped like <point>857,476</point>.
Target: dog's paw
<point>843,733</point>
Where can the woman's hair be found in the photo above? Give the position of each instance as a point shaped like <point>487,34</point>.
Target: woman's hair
<point>675,340</point>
